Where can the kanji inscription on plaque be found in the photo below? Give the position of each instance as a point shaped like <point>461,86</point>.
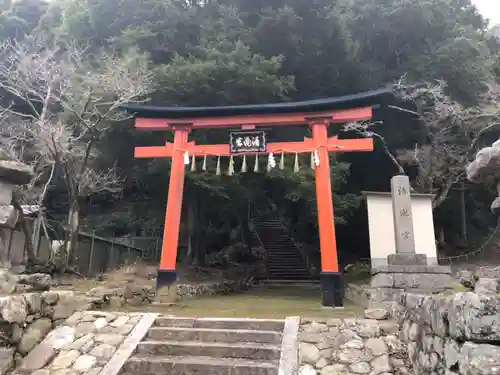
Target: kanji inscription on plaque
<point>254,141</point>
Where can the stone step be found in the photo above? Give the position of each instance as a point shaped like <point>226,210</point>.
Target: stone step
<point>285,271</point>
<point>288,282</point>
<point>291,271</point>
<point>280,242</point>
<point>275,236</point>
<point>289,266</point>
<point>278,255</point>
<point>221,323</point>
<point>147,365</point>
<point>282,252</point>
<point>276,239</point>
<point>256,351</point>
<point>213,335</point>
<point>285,276</point>
<point>311,284</point>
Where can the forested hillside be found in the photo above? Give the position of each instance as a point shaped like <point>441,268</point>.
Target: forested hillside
<point>102,53</point>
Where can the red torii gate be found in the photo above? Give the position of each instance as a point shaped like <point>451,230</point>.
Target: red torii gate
<point>318,114</point>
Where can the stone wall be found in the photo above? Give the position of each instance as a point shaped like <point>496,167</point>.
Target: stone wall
<point>185,291</point>
<point>458,334</point>
<point>357,294</point>
<point>352,346</point>
<point>26,319</point>
<point>83,344</point>
<point>454,334</point>
<point>136,295</point>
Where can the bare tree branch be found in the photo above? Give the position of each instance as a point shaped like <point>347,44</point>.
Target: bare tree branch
<point>64,102</point>
<point>363,129</point>
<point>452,133</point>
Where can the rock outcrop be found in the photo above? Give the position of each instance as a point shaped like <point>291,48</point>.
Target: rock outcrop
<point>11,283</point>
<point>486,169</point>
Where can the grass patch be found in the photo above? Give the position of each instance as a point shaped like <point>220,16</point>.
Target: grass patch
<point>259,302</point>
<point>459,288</point>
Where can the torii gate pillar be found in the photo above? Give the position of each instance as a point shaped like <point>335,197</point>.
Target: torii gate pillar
<point>167,274</point>
<point>331,279</point>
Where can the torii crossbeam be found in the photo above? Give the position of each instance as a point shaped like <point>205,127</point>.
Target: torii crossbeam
<point>317,114</point>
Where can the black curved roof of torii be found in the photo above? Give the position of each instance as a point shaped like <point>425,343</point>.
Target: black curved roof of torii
<point>364,99</point>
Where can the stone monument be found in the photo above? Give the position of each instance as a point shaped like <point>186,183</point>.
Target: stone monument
<point>11,174</point>
<point>381,226</point>
<point>406,270</point>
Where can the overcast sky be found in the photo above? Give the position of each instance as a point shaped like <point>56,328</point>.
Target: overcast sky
<point>489,9</point>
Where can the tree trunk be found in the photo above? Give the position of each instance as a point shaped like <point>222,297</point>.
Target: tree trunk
<point>245,231</point>
<point>39,221</point>
<point>199,235</point>
<point>71,241</point>
<point>192,226</point>
<point>463,212</point>
<point>30,253</point>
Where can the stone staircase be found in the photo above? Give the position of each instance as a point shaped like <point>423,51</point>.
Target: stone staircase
<point>208,346</point>
<point>284,260</point>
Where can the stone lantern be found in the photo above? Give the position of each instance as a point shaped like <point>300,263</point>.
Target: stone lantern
<point>12,174</point>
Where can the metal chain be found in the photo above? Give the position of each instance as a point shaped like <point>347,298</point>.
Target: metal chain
<point>481,250</point>
<point>454,258</point>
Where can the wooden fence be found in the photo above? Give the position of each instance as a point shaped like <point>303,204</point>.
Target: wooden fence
<point>95,254</point>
